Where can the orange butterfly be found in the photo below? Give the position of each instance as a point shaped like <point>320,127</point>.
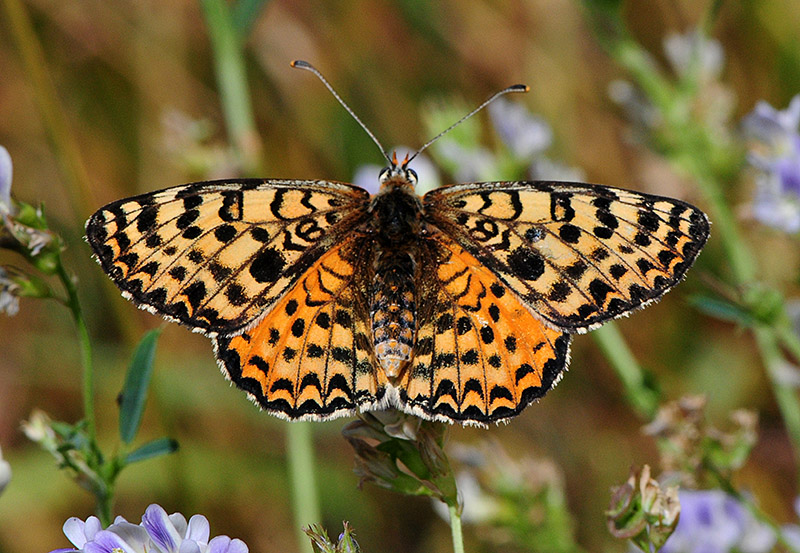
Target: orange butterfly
<point>323,300</point>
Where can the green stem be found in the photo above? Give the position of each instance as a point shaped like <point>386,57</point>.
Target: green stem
<point>789,339</point>
<point>300,458</point>
<point>455,529</point>
<point>232,81</point>
<point>643,398</point>
<point>103,490</point>
<point>86,351</point>
<point>785,393</point>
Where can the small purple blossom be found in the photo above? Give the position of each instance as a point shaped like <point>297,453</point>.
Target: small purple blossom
<point>712,521</point>
<point>158,533</point>
<point>6,173</point>
<point>776,200</point>
<point>525,134</point>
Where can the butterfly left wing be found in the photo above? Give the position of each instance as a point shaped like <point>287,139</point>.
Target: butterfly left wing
<point>576,254</point>
<point>310,357</point>
<point>215,255</point>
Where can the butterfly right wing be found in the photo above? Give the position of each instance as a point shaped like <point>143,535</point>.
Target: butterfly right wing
<point>215,255</point>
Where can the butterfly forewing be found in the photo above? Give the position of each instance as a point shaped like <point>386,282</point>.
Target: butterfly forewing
<point>576,254</point>
<point>215,255</point>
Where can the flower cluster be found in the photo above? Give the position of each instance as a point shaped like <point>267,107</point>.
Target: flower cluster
<point>158,532</point>
<point>23,229</point>
<point>776,156</point>
<point>696,453</point>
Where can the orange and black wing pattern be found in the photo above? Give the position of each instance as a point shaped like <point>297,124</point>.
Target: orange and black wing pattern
<point>215,255</point>
<point>575,254</point>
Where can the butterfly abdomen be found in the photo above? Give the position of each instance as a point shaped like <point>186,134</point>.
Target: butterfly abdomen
<point>396,222</point>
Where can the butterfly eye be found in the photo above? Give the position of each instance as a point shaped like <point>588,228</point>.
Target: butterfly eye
<point>383,174</point>
<point>412,176</point>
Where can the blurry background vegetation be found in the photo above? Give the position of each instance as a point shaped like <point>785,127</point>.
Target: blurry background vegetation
<point>128,74</point>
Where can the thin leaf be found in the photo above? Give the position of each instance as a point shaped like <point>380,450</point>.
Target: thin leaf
<point>723,310</point>
<point>137,381</point>
<point>156,448</point>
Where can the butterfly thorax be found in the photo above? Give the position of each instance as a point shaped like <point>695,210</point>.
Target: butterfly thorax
<point>396,222</point>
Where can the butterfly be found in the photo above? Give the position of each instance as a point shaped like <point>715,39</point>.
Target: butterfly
<point>323,300</point>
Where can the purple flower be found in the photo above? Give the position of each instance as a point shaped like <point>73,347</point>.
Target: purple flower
<point>6,172</point>
<point>711,521</point>
<point>158,533</point>
<point>525,134</point>
<point>776,201</point>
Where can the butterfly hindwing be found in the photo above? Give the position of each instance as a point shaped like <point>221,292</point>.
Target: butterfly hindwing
<point>214,255</point>
<point>310,356</point>
<point>480,354</point>
<point>577,254</point>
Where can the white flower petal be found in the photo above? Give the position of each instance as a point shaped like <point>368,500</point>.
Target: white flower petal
<point>198,529</point>
<point>6,173</point>
<point>74,530</point>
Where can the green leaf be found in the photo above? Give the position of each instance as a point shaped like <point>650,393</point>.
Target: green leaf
<point>156,448</point>
<point>723,310</point>
<point>137,381</point>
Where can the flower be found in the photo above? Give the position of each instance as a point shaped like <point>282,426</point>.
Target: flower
<point>5,472</point>
<point>6,171</point>
<point>714,522</point>
<point>693,51</point>
<point>526,135</point>
<point>22,227</point>
<point>776,157</point>
<point>157,533</point>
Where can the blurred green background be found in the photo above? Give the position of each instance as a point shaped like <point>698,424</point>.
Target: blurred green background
<point>128,73</point>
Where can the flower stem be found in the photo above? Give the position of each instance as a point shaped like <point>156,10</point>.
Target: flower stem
<point>300,458</point>
<point>643,398</point>
<point>785,393</point>
<point>103,489</point>
<point>86,350</point>
<point>455,529</point>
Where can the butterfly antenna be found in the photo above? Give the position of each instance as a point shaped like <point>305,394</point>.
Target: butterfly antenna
<point>300,64</point>
<point>513,88</point>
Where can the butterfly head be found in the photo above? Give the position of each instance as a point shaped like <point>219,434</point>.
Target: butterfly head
<point>398,174</point>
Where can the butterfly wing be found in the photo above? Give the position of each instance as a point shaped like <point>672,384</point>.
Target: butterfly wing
<point>310,356</point>
<point>215,255</point>
<point>576,254</point>
<point>480,354</point>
